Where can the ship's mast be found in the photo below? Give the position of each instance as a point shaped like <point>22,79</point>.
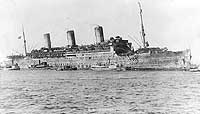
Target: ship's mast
<point>142,26</point>
<point>25,50</point>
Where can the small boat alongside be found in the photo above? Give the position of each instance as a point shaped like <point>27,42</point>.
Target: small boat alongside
<point>40,66</point>
<point>13,67</point>
<point>197,69</point>
<point>103,67</point>
<point>194,68</point>
<point>66,68</point>
<point>120,69</point>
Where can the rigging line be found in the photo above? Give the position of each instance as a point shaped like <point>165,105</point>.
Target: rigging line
<point>137,39</point>
<point>134,40</point>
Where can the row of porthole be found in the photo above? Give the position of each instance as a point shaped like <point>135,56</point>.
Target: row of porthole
<point>83,66</point>
<point>65,64</point>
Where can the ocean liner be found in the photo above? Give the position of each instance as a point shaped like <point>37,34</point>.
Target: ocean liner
<point>115,51</point>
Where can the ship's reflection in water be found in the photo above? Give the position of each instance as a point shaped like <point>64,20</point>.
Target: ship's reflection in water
<point>85,92</point>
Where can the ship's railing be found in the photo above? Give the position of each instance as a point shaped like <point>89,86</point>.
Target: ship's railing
<point>62,54</point>
<point>90,51</point>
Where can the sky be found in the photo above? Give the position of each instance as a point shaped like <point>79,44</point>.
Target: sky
<point>168,23</point>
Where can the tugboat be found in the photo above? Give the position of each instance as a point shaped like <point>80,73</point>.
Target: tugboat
<point>195,69</point>
<point>65,68</point>
<point>40,66</point>
<point>13,67</point>
<point>100,67</point>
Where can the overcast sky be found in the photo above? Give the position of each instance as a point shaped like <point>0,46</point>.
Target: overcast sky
<point>168,23</point>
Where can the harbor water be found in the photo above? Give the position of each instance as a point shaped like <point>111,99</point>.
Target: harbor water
<point>92,92</point>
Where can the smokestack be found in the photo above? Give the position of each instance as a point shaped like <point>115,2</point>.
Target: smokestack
<point>99,34</point>
<point>47,40</point>
<point>71,37</point>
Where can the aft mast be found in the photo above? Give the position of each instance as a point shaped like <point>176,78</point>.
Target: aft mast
<point>25,50</point>
<point>142,27</point>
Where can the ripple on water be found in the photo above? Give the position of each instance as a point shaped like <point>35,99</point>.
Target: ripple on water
<point>78,92</point>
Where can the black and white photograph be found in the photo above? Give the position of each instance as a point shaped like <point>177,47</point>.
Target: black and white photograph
<point>99,57</point>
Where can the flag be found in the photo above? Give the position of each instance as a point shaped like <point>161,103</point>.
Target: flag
<point>19,37</point>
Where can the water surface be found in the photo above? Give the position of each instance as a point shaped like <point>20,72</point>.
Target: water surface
<point>90,92</point>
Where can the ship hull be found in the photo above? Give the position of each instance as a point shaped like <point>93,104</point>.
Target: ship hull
<point>146,61</point>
